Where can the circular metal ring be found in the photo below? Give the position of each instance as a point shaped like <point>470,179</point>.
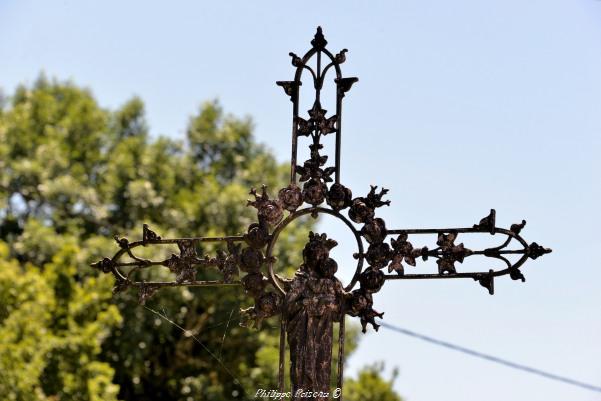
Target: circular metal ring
<point>293,216</point>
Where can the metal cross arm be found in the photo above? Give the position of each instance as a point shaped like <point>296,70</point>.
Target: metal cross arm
<point>125,263</point>
<point>447,252</point>
<point>312,301</point>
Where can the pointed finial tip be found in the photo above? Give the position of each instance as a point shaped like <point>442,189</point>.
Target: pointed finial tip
<point>319,41</point>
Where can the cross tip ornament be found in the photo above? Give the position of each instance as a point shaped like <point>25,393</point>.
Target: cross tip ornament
<point>319,41</point>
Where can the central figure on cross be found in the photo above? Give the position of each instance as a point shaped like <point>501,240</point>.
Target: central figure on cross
<point>314,301</point>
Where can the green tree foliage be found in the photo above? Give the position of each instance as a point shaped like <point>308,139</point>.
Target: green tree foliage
<point>73,174</point>
<point>370,386</point>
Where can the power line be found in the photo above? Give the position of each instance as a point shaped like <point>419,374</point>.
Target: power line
<point>188,333</point>
<point>491,358</point>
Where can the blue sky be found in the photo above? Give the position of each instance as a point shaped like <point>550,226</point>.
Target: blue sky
<point>461,107</point>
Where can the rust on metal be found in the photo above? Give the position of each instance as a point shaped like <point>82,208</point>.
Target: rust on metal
<point>314,300</point>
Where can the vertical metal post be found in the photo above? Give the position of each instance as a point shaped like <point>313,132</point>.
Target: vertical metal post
<point>282,367</point>
<point>339,94</point>
<point>341,349</point>
<point>294,134</point>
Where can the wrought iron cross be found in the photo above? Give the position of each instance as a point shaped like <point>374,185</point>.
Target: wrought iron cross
<point>314,299</point>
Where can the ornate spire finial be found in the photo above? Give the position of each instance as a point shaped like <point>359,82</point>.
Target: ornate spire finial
<point>319,41</point>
